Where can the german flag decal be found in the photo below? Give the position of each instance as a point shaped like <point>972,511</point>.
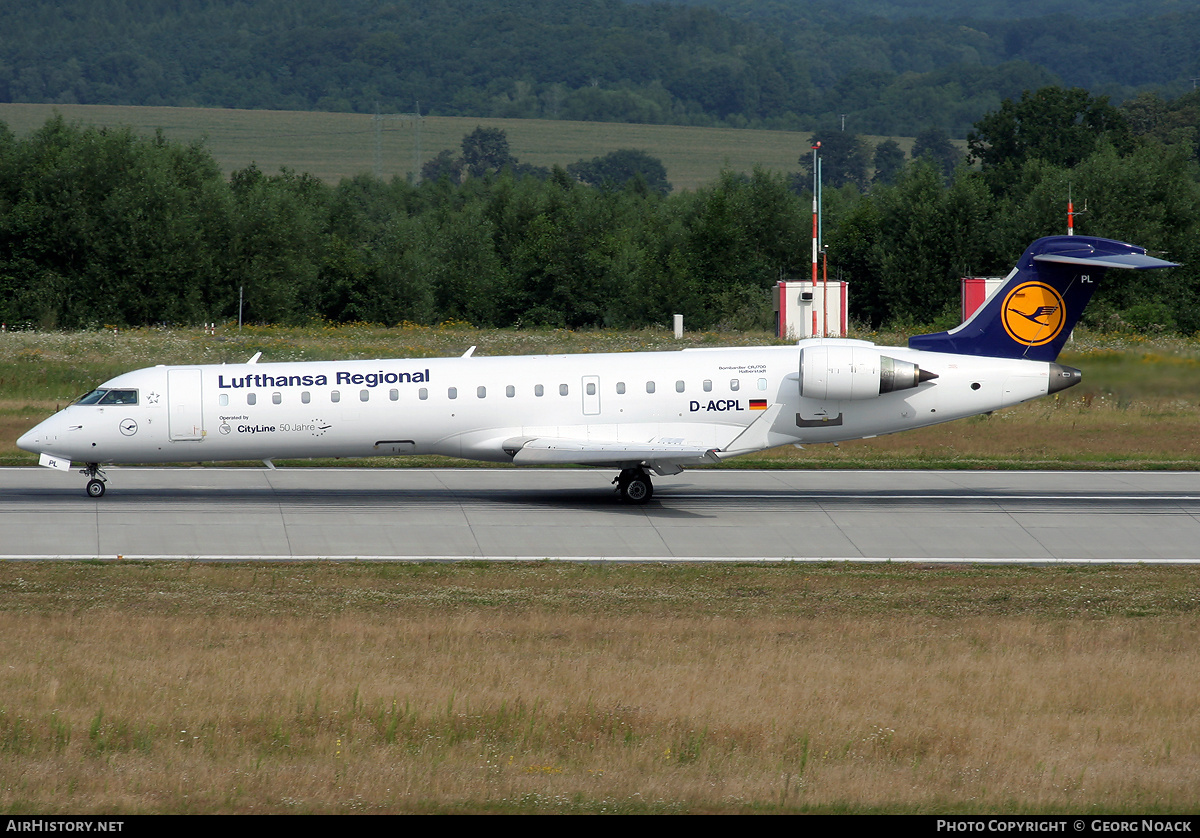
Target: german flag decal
<point>758,404</point>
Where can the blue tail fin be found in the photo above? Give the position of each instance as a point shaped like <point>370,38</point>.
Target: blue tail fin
<point>1032,315</point>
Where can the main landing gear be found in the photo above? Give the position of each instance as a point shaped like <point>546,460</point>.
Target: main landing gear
<point>634,486</point>
<point>95,486</point>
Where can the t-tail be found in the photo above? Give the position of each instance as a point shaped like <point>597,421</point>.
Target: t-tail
<point>1033,313</point>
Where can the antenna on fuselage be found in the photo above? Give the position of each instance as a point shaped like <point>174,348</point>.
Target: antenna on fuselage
<point>1071,212</point>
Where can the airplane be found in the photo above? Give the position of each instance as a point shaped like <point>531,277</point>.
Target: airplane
<point>636,412</point>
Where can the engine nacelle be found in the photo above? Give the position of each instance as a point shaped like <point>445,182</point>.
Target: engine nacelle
<point>839,372</point>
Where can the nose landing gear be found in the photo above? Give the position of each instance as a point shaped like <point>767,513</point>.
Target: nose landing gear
<point>634,486</point>
<point>95,486</point>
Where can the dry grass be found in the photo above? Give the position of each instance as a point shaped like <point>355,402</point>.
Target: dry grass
<point>560,688</point>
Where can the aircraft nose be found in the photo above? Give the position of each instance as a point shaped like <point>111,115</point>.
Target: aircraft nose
<point>39,438</point>
<point>29,441</point>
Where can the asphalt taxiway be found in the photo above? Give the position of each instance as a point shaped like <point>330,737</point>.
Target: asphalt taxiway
<point>574,514</point>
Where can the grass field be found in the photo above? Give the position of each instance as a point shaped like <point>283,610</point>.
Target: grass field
<point>192,688</point>
<point>332,146</point>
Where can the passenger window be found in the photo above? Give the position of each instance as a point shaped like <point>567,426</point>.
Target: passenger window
<point>510,391</point>
<point>335,396</point>
<point>591,388</point>
<point>306,397</point>
<point>423,394</point>
<point>481,392</point>
<point>364,395</point>
<point>538,390</point>
<point>678,386</point>
<point>562,389</point>
<point>224,400</point>
<point>394,395</point>
<point>452,393</point>
<point>620,388</point>
<point>734,384</point>
<point>708,385</point>
<point>762,384</point>
<point>276,398</point>
<point>251,398</point>
<point>649,386</point>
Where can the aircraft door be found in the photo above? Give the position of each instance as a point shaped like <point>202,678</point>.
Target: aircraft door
<point>185,415</point>
<point>591,395</point>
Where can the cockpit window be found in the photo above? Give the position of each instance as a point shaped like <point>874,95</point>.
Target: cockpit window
<point>106,396</point>
<point>92,397</point>
<point>119,397</point>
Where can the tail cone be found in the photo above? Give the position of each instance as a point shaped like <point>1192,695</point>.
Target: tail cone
<point>1063,377</point>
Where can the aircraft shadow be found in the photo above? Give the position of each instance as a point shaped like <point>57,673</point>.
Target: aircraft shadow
<point>327,499</point>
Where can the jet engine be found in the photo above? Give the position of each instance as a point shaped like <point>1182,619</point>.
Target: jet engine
<point>839,372</point>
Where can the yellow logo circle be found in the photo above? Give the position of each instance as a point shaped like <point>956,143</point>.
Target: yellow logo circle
<point>1033,313</point>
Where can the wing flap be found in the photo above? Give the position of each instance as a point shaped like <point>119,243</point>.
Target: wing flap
<point>557,451</point>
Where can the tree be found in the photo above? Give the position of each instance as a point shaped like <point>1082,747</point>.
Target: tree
<point>1170,123</point>
<point>276,239</point>
<point>744,233</point>
<point>619,167</point>
<point>889,160</point>
<point>1062,127</point>
<point>934,143</point>
<point>843,159</point>
<point>856,253</point>
<point>930,236</point>
<point>444,165</point>
<point>103,226</point>
<point>485,151</point>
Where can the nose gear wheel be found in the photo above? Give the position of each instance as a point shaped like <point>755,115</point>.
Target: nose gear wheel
<point>95,486</point>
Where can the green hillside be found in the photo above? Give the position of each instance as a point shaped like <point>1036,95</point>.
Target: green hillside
<point>779,64</point>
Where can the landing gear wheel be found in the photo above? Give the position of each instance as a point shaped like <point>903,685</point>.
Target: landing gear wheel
<point>95,486</point>
<point>634,486</point>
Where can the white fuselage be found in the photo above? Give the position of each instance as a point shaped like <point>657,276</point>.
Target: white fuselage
<point>486,408</point>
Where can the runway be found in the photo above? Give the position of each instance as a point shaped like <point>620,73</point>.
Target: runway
<point>574,514</point>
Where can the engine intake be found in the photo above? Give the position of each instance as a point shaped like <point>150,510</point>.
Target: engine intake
<point>854,372</point>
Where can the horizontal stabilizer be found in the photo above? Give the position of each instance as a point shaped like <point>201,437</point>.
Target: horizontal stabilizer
<point>1134,261</point>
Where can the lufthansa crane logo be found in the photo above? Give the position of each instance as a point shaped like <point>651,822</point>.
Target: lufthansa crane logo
<point>1033,313</point>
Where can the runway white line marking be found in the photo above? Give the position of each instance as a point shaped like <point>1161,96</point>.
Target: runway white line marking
<point>967,495</point>
<point>598,559</point>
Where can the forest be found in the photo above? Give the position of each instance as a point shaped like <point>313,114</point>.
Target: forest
<point>103,227</point>
<point>891,68</point>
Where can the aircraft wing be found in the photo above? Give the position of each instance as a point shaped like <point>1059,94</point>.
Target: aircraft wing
<point>664,456</point>
<point>554,450</point>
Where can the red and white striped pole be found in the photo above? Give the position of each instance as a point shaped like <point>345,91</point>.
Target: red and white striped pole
<point>814,244</point>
